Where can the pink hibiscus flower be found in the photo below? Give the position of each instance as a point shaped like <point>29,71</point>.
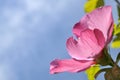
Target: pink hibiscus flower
<point>93,32</point>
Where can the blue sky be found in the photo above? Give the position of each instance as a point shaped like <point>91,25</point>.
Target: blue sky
<point>33,33</point>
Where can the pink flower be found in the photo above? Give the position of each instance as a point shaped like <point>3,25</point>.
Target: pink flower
<point>93,32</point>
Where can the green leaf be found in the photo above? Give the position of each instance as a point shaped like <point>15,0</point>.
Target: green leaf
<point>116,42</point>
<point>90,5</point>
<point>117,28</point>
<point>92,71</point>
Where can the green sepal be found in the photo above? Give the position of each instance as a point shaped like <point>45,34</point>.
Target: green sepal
<point>105,59</point>
<point>101,70</point>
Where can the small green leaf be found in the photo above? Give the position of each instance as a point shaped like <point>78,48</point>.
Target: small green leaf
<point>92,71</point>
<point>117,29</point>
<point>116,42</point>
<point>90,5</point>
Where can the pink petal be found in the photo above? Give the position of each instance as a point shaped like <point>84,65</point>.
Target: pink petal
<point>69,65</point>
<point>79,27</point>
<point>100,37</point>
<point>110,33</point>
<point>89,44</point>
<point>100,18</point>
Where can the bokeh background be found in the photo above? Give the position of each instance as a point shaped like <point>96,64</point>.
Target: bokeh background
<point>34,32</point>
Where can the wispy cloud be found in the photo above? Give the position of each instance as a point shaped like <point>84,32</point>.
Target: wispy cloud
<point>29,15</point>
<point>21,23</point>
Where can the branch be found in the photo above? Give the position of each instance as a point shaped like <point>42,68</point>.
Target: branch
<point>117,1</point>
